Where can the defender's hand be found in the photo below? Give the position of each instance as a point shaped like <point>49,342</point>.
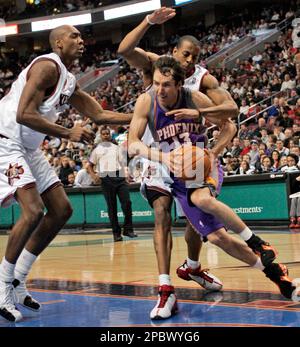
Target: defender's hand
<point>162,15</point>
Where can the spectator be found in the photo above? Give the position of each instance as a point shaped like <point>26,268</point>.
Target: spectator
<point>253,153</point>
<point>83,177</point>
<point>288,83</point>
<point>236,149</point>
<point>244,168</point>
<point>275,156</point>
<point>247,146</point>
<point>106,158</point>
<point>292,161</point>
<point>65,170</point>
<point>282,162</point>
<point>70,180</point>
<point>281,149</point>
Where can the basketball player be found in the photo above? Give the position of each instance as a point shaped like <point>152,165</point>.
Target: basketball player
<point>208,216</point>
<point>28,113</point>
<point>157,190</point>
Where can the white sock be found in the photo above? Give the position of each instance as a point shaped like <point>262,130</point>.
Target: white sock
<point>258,264</point>
<point>7,271</point>
<point>24,264</point>
<point>246,234</point>
<point>164,279</point>
<point>193,264</point>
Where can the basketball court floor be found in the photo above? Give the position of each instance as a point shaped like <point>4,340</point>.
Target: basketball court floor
<point>87,280</point>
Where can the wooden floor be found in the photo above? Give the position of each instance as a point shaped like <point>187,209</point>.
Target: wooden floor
<point>93,259</point>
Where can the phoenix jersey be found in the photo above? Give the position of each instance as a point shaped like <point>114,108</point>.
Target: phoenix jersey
<point>49,109</point>
<point>194,82</point>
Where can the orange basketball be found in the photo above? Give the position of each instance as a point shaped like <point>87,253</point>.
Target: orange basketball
<point>196,163</point>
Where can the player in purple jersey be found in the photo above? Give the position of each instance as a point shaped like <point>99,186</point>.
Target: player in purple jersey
<point>207,215</point>
<point>157,190</point>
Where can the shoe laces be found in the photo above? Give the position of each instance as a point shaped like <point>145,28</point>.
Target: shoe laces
<point>8,300</point>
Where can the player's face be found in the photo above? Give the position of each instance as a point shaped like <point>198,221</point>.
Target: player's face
<point>73,44</point>
<point>166,88</point>
<point>187,55</point>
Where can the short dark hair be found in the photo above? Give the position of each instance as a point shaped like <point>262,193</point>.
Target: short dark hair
<point>169,65</point>
<point>189,38</point>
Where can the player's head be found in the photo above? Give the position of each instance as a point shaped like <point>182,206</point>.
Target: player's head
<point>187,52</point>
<point>168,77</point>
<point>67,42</point>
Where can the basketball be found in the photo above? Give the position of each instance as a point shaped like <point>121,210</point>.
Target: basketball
<point>195,164</point>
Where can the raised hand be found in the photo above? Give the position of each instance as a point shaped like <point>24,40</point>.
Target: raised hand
<point>161,15</point>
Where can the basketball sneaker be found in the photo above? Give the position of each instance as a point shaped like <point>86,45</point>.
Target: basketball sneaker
<point>278,273</point>
<point>203,277</point>
<point>166,304</point>
<point>22,297</point>
<point>263,249</point>
<point>8,309</point>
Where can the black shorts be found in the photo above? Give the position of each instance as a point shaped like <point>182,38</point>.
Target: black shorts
<point>153,194</point>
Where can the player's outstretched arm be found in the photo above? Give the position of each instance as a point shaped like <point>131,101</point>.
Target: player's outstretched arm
<point>137,57</point>
<point>89,107</point>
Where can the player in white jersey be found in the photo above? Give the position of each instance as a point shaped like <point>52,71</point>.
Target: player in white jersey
<point>186,53</point>
<point>28,113</point>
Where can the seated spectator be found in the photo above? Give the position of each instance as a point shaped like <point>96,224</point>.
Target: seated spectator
<point>65,170</point>
<point>244,168</point>
<point>275,156</point>
<point>287,83</point>
<point>253,153</point>
<point>257,58</point>
<point>282,162</point>
<point>244,109</point>
<point>285,121</point>
<point>243,133</point>
<point>281,149</point>
<point>296,150</point>
<point>273,111</point>
<point>265,165</point>
<point>83,177</point>
<point>70,180</point>
<point>236,149</point>
<point>292,161</point>
<point>263,135</point>
<point>246,146</point>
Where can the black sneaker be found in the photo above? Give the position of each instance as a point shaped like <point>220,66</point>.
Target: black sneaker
<point>263,249</point>
<point>130,234</point>
<point>278,273</point>
<point>8,309</point>
<point>118,238</point>
<point>22,297</point>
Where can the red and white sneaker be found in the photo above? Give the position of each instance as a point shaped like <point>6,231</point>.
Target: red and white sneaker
<point>203,277</point>
<point>166,304</point>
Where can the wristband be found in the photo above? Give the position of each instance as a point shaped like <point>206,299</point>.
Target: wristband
<point>148,20</point>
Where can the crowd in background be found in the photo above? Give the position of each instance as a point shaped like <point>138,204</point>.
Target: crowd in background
<point>269,132</point>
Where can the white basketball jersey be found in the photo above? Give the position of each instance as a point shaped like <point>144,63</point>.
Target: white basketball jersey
<point>49,109</point>
<point>195,80</point>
